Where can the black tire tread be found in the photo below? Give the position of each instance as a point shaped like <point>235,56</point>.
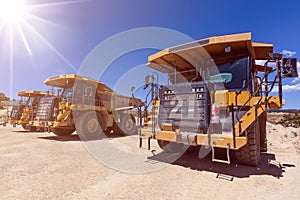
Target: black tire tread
<point>250,153</point>
<point>80,126</point>
<point>62,131</point>
<point>122,126</point>
<point>171,147</point>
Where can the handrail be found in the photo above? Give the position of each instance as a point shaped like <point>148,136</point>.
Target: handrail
<point>153,92</point>
<point>259,88</point>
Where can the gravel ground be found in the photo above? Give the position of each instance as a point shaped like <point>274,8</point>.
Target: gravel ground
<point>44,166</point>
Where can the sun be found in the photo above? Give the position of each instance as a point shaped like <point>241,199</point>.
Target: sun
<point>12,11</point>
<point>18,21</point>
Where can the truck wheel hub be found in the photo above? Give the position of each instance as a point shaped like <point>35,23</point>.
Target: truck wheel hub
<point>92,125</point>
<point>129,124</point>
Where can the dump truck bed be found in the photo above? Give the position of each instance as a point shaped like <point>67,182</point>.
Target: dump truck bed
<point>68,80</point>
<point>31,93</point>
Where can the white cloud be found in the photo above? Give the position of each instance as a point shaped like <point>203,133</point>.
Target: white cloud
<point>291,88</point>
<point>288,88</point>
<point>288,53</point>
<point>262,63</point>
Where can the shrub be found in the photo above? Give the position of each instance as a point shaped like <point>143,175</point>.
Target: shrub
<point>290,120</point>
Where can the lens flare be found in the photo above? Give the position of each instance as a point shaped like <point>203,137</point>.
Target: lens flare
<point>12,11</point>
<point>17,19</point>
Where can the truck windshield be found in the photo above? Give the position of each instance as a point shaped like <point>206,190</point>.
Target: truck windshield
<point>24,101</point>
<point>231,75</point>
<point>30,101</point>
<point>33,101</point>
<point>68,94</point>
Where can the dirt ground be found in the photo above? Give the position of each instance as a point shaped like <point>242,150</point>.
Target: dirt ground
<point>44,166</point>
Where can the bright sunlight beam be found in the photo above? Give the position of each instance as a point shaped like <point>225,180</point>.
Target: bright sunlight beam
<point>15,14</point>
<point>15,17</point>
<point>12,11</point>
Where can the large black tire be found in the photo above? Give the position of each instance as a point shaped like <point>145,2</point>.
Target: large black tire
<point>33,129</point>
<point>24,126</point>
<point>108,131</point>
<point>89,126</point>
<point>171,147</point>
<point>30,129</point>
<point>115,129</point>
<point>62,131</point>
<point>250,153</point>
<point>127,125</point>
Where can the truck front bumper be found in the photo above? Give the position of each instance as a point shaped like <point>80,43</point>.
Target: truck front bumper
<point>197,139</point>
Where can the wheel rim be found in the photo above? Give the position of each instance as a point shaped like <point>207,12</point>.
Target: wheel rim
<point>92,125</point>
<point>129,124</point>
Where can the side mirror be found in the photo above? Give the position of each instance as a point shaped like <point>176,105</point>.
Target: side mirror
<point>289,68</point>
<point>147,81</point>
<point>132,89</point>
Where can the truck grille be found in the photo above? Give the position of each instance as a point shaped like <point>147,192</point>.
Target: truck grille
<point>186,106</point>
<point>16,112</point>
<point>45,108</point>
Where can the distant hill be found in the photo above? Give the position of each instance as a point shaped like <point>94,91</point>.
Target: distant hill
<point>284,111</point>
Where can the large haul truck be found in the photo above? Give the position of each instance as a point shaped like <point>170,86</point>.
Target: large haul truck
<point>26,110</point>
<point>88,106</point>
<point>217,96</point>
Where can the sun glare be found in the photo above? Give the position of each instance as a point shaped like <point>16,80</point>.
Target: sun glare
<point>16,18</point>
<point>12,11</point>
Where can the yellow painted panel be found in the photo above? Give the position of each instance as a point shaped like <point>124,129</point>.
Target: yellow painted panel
<point>221,141</point>
<point>221,98</point>
<point>248,119</point>
<point>167,126</point>
<point>243,97</point>
<point>166,135</point>
<point>202,139</point>
<point>230,38</point>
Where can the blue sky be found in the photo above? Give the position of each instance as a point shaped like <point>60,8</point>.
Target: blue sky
<point>63,33</point>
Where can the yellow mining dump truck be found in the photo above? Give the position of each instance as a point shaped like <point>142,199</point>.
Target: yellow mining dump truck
<point>87,106</point>
<point>26,111</point>
<point>217,96</point>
